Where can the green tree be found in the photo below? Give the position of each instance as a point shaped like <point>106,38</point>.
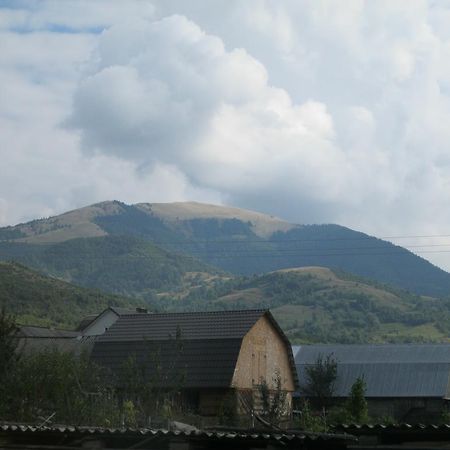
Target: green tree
<point>320,380</point>
<point>356,404</point>
<point>9,343</point>
<point>311,421</point>
<point>9,356</point>
<point>152,382</point>
<point>273,400</point>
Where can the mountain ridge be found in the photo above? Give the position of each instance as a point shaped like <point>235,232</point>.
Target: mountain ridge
<point>238,241</point>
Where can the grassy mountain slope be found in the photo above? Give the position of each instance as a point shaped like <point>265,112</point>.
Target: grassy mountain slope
<point>39,300</point>
<point>312,304</point>
<point>237,241</point>
<point>123,265</point>
<point>315,304</point>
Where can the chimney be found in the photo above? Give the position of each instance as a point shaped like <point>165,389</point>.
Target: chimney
<point>141,310</point>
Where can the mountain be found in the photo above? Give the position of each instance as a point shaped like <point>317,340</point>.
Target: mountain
<point>123,265</point>
<point>316,304</point>
<point>235,240</point>
<point>39,300</point>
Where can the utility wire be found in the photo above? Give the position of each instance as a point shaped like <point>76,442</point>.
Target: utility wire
<point>280,241</point>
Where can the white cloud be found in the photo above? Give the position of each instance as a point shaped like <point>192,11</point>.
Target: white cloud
<point>306,109</point>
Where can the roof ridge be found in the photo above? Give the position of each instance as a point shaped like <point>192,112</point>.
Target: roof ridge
<point>168,313</point>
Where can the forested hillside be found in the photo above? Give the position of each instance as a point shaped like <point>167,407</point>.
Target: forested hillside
<point>123,265</point>
<point>237,241</point>
<point>311,304</point>
<point>318,305</point>
<point>39,300</point>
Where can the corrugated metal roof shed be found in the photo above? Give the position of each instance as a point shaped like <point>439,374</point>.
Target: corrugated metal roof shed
<point>389,370</point>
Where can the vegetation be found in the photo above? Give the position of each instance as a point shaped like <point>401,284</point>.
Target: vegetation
<point>122,265</point>
<point>8,346</point>
<point>356,405</point>
<point>319,305</point>
<point>151,386</point>
<point>39,300</point>
<point>65,387</point>
<point>311,304</point>
<point>232,244</point>
<point>319,381</point>
<point>274,405</point>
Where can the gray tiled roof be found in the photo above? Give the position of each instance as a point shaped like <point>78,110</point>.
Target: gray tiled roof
<point>389,370</point>
<point>194,325</point>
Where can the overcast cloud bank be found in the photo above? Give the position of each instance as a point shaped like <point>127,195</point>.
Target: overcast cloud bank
<point>310,110</point>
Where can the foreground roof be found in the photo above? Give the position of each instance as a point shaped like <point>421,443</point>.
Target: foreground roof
<point>389,370</point>
<point>65,436</point>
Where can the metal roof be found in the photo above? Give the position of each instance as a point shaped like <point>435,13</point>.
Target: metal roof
<point>193,325</point>
<point>389,370</point>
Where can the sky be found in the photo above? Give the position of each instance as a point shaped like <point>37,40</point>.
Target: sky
<point>316,111</point>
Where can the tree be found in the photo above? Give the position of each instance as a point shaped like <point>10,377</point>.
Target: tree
<point>273,401</point>
<point>356,404</point>
<point>152,381</point>
<point>320,380</point>
<point>9,356</point>
<point>9,343</point>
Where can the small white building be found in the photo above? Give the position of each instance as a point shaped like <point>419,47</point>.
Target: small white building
<point>97,324</point>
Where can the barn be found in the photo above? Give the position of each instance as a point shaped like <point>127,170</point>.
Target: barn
<point>209,356</point>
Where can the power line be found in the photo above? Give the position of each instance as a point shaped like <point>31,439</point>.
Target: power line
<point>280,241</point>
<point>230,255</point>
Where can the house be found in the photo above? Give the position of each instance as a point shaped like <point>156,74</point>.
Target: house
<point>408,382</point>
<point>220,354</point>
<point>96,324</point>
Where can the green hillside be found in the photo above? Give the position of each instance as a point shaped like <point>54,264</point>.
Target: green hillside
<point>237,241</point>
<point>312,304</point>
<point>39,300</point>
<point>123,265</point>
<point>316,304</point>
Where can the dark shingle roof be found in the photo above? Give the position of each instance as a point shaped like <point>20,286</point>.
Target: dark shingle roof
<point>201,363</point>
<point>194,325</point>
<point>210,341</point>
<point>389,370</point>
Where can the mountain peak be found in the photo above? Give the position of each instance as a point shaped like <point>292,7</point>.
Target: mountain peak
<point>262,225</point>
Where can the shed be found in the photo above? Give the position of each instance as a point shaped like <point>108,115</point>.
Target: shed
<point>405,381</point>
<point>96,324</point>
<point>218,352</point>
